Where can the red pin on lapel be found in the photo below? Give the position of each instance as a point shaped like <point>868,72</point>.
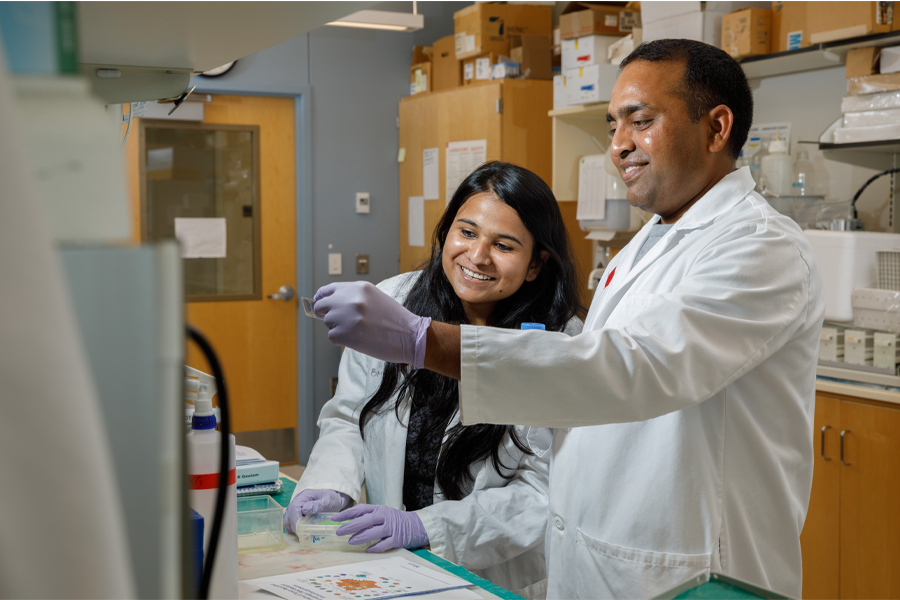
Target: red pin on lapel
<point>608,279</point>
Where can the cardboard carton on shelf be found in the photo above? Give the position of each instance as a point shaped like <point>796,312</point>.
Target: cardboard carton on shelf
<point>703,26</point>
<point>586,85</point>
<point>421,54</point>
<point>873,84</point>
<point>420,80</point>
<point>790,30</point>
<point>488,27</point>
<point>534,55</point>
<point>747,32</point>
<point>478,69</point>
<point>446,68</point>
<point>586,51</point>
<point>861,62</point>
<point>830,21</point>
<point>580,19</point>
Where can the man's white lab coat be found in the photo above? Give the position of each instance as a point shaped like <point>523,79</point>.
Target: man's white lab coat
<point>684,410</point>
<point>496,531</point>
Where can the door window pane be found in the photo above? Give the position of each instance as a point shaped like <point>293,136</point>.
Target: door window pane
<point>207,177</point>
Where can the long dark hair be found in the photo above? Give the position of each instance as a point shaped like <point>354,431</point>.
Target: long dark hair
<point>551,299</point>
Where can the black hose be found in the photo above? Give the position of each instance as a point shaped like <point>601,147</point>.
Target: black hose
<point>864,186</point>
<point>224,447</point>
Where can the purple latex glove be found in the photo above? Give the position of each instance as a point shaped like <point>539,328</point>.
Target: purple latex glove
<point>370,522</point>
<point>310,502</point>
<point>362,317</point>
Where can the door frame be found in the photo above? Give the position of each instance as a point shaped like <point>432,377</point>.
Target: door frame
<point>302,95</point>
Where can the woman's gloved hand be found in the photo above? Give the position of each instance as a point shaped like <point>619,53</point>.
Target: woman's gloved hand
<point>310,502</point>
<point>362,317</point>
<point>395,528</point>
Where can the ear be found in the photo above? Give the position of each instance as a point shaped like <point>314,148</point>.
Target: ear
<point>721,119</point>
<point>535,267</point>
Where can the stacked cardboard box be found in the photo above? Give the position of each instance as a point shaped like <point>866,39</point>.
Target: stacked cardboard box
<point>747,32</point>
<point>487,27</point>
<point>420,79</point>
<point>447,69</point>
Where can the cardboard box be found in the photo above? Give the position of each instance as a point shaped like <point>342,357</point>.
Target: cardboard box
<point>486,27</point>
<point>420,78</point>
<point>421,54</point>
<point>873,84</point>
<point>862,62</point>
<point>580,19</point>
<point>790,30</point>
<point>588,50</point>
<point>447,70</point>
<point>560,97</point>
<point>617,52</point>
<point>704,26</point>
<point>534,55</point>
<point>478,68</point>
<point>747,32</point>
<point>590,84</point>
<point>830,21</point>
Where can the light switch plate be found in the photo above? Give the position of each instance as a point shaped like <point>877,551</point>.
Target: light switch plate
<point>362,264</point>
<point>334,263</point>
<point>362,202</point>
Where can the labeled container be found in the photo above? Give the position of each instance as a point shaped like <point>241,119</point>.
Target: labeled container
<point>259,524</point>
<point>778,168</point>
<point>317,532</point>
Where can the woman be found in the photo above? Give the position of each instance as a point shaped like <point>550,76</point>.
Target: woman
<point>478,494</point>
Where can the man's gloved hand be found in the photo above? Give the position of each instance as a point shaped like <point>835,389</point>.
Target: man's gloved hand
<point>310,502</point>
<point>362,317</point>
<point>395,528</point>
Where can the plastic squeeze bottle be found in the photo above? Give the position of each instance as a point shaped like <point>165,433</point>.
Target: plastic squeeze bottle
<point>778,168</point>
<point>803,175</point>
<point>203,469</point>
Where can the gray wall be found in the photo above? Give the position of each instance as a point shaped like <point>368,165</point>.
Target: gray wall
<point>355,78</point>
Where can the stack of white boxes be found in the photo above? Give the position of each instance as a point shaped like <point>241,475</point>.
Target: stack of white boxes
<point>831,344</point>
<point>587,75</point>
<point>700,21</point>
<point>858,347</point>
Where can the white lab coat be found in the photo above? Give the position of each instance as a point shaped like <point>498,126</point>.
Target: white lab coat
<point>690,398</point>
<point>496,531</point>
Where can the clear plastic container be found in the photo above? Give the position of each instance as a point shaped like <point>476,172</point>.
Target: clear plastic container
<point>778,168</point>
<point>804,175</point>
<point>259,524</point>
<point>317,532</point>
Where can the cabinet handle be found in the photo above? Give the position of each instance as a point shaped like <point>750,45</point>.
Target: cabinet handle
<point>846,464</point>
<point>822,446</point>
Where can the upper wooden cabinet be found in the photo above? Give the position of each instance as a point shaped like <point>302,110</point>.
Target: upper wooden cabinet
<point>851,538</point>
<point>511,114</point>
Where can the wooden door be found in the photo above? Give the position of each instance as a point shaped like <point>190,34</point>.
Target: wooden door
<point>870,501</point>
<point>820,540</point>
<point>256,340</point>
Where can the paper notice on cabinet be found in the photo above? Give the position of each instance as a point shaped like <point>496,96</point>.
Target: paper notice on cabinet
<point>416,221</point>
<point>462,159</point>
<point>591,188</point>
<point>431,188</point>
<point>201,238</point>
<point>378,579</point>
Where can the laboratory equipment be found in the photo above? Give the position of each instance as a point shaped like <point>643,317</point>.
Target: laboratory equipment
<point>831,344</point>
<point>848,262</point>
<point>756,164</point>
<point>259,524</point>
<point>887,352</point>
<point>889,269</point>
<point>317,532</point>
<point>777,168</point>
<point>858,347</point>
<point>203,445</point>
<point>876,309</point>
<point>197,384</point>
<point>803,175</point>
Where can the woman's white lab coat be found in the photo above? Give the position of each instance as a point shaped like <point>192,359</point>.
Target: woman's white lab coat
<point>496,531</point>
<point>690,398</point>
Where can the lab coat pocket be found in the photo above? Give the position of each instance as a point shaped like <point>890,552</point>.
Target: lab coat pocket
<point>608,571</point>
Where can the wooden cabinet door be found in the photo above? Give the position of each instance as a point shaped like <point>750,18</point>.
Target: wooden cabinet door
<point>820,540</point>
<point>870,502</point>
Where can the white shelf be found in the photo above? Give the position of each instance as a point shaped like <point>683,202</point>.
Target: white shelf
<point>597,109</point>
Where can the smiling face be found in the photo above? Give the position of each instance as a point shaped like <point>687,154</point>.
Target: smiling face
<point>662,156</point>
<point>487,255</point>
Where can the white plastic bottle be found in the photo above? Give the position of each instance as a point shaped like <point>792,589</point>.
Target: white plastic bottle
<point>778,168</point>
<point>203,442</point>
<point>803,175</point>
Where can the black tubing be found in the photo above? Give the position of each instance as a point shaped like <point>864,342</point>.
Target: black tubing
<point>864,186</point>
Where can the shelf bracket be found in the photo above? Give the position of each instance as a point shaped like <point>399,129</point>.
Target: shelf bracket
<point>499,106</point>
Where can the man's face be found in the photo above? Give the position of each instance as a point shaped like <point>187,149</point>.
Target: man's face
<point>660,154</point>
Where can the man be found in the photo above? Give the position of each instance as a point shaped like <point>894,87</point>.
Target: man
<point>684,410</point>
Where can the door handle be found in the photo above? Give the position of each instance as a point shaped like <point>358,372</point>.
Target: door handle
<point>822,445</point>
<point>846,464</point>
<point>285,293</point>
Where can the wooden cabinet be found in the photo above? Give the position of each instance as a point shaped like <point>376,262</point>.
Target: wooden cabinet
<point>851,538</point>
<point>511,115</point>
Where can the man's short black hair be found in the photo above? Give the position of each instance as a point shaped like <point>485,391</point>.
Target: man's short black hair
<point>711,78</point>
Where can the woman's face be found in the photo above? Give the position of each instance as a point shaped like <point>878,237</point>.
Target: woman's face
<point>487,255</point>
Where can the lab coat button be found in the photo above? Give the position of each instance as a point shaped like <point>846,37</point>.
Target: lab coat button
<point>559,524</point>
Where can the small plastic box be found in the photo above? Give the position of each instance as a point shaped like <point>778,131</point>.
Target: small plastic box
<point>259,524</point>
<point>317,532</point>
